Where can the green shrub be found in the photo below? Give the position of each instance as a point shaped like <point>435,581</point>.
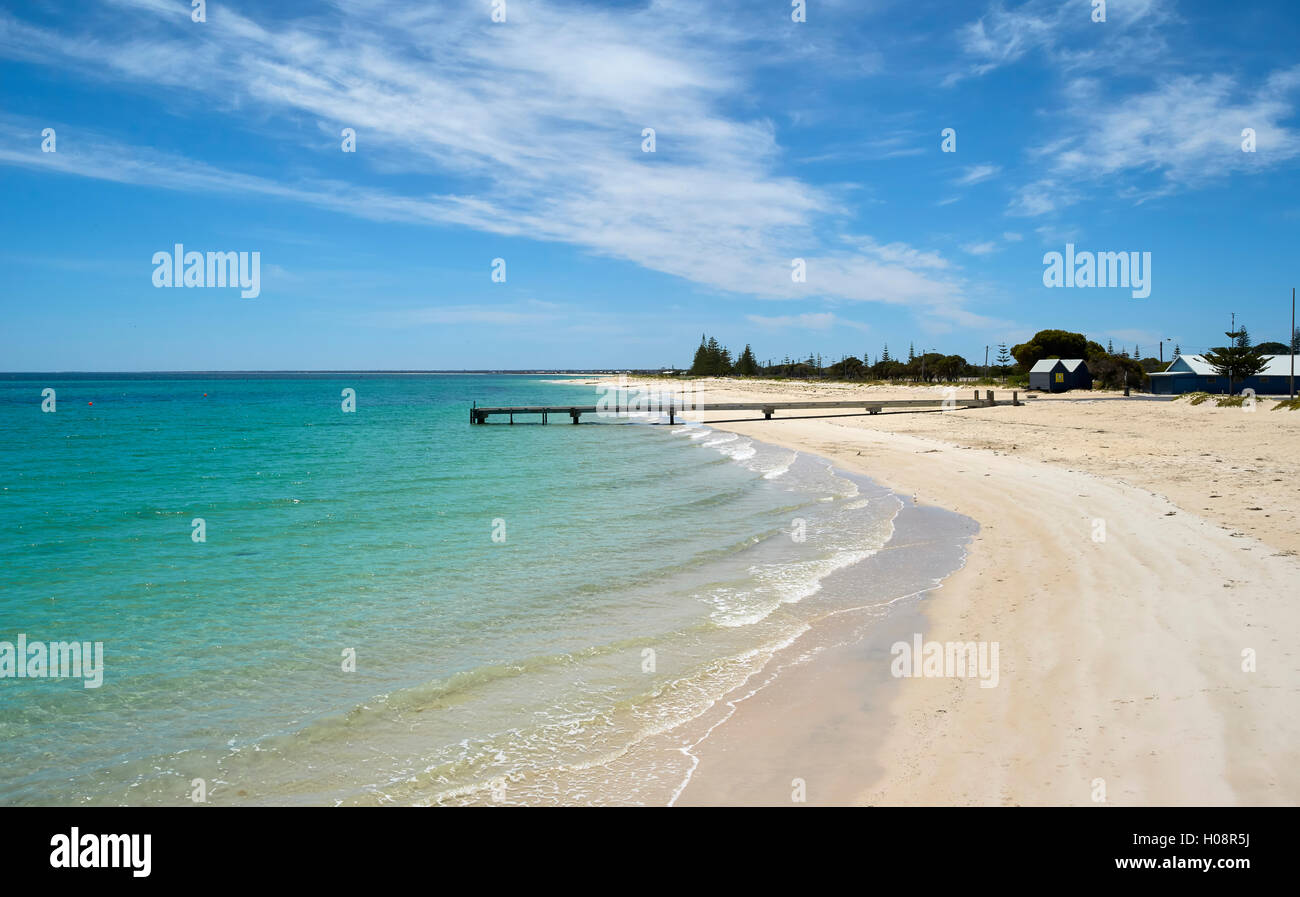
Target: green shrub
<point>1288,404</point>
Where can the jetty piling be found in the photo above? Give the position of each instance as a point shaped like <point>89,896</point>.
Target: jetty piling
<point>479,414</point>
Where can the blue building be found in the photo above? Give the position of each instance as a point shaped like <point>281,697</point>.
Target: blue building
<point>1192,373</point>
<point>1060,375</point>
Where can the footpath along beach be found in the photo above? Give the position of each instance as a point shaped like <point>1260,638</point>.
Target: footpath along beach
<point>1148,665</point>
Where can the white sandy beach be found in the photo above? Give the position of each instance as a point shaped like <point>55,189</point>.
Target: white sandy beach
<point>1120,661</point>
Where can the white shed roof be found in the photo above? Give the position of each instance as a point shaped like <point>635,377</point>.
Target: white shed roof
<point>1196,364</point>
<point>1278,366</point>
<point>1044,366</point>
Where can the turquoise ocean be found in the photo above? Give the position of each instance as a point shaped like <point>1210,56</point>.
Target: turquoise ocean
<point>394,607</point>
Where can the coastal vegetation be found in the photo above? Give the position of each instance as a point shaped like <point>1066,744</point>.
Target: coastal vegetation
<point>1111,369</point>
<point>714,360</point>
<point>1197,398</point>
<point>1237,360</point>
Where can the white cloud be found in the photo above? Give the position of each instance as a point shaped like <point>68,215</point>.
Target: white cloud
<point>901,253</point>
<point>1041,197</point>
<point>980,248</point>
<point>976,173</point>
<point>1130,38</point>
<point>809,321</point>
<point>532,130</point>
<point>1187,128</point>
<point>1050,234</point>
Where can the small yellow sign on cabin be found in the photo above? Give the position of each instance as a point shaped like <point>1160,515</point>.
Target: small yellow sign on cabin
<point>1060,377</point>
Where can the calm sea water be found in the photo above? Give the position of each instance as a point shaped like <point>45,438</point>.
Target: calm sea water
<point>639,574</point>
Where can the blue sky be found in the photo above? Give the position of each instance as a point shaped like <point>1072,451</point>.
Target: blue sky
<point>522,140</point>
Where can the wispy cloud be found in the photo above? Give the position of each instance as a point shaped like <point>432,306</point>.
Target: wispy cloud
<point>1187,128</point>
<point>538,125</point>
<point>1064,33</point>
<point>977,173</point>
<point>1055,235</point>
<point>902,143</point>
<point>810,321</point>
<point>1041,197</point>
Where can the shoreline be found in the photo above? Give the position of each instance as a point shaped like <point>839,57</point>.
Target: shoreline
<point>843,658</point>
<point>1122,660</point>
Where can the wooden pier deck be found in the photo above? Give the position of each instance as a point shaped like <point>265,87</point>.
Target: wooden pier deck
<point>479,414</point>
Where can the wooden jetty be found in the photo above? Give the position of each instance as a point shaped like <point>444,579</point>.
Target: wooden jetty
<point>479,414</point>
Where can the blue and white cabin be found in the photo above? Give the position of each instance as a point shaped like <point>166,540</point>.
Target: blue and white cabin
<point>1192,373</point>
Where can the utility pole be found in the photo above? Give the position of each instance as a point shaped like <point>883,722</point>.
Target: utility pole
<point>986,362</point>
<point>1293,342</point>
